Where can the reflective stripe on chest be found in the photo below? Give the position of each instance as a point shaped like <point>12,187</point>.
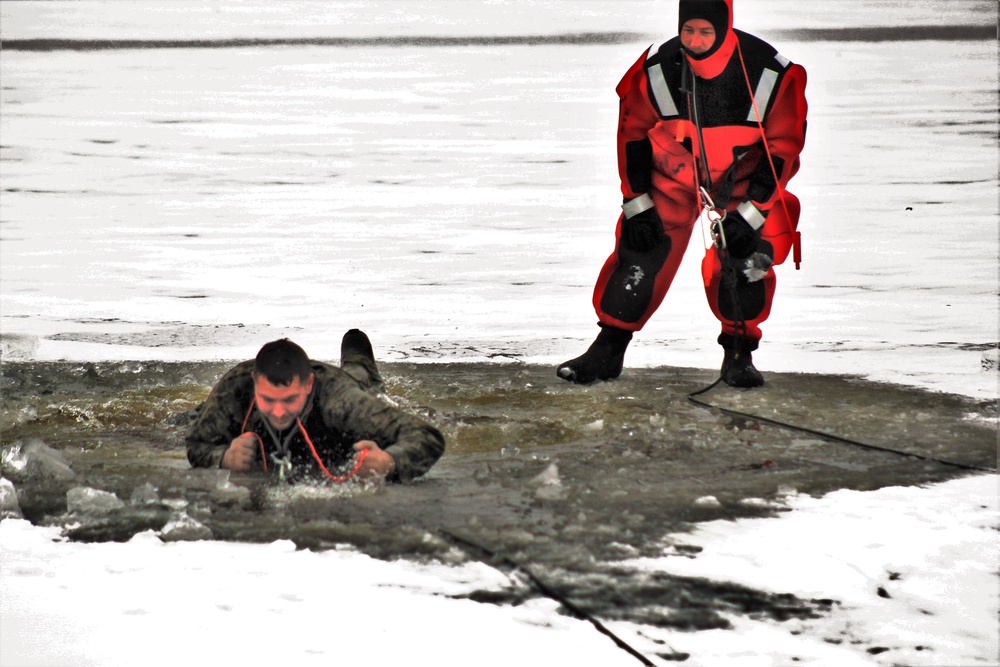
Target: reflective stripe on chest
<point>766,86</point>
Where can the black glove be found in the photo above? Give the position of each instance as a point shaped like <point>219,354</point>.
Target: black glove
<point>643,231</point>
<point>741,238</point>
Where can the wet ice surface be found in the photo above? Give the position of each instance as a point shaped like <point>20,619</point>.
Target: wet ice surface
<point>185,204</point>
<point>570,480</point>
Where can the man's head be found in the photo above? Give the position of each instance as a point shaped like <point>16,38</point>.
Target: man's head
<point>282,381</point>
<point>704,25</point>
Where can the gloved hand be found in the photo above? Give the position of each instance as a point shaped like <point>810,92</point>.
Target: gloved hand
<point>741,238</point>
<point>643,231</point>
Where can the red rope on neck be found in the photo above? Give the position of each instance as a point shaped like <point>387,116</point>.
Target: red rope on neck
<point>796,235</point>
<point>357,466</point>
<point>362,455</point>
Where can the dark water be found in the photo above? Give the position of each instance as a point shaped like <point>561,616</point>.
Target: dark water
<point>565,480</point>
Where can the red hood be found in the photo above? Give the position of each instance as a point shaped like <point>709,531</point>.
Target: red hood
<point>720,14</point>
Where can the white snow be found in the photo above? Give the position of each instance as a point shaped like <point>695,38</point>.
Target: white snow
<point>933,551</point>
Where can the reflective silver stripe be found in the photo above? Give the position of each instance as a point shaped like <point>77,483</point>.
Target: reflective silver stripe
<point>751,214</point>
<point>634,207</point>
<point>782,60</point>
<point>658,84</point>
<point>763,94</point>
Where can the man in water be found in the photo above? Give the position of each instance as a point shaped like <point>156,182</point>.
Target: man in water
<point>713,109</point>
<point>285,413</point>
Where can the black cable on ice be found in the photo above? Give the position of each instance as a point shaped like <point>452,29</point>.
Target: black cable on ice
<point>469,545</point>
<point>826,436</point>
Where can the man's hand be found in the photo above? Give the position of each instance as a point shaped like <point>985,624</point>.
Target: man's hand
<point>241,454</point>
<point>377,464</point>
<point>643,231</point>
<point>741,238</point>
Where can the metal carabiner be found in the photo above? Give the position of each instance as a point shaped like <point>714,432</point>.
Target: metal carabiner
<point>284,466</point>
<point>706,199</point>
<point>714,219</point>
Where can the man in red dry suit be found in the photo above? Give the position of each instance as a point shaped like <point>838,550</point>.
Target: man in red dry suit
<point>715,109</point>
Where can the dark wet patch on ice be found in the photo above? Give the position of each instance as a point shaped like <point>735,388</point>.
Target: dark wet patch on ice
<point>658,599</point>
<point>90,155</point>
<point>860,288</point>
<point>177,121</point>
<point>895,33</point>
<point>966,347</point>
<point>924,183</point>
<point>168,334</point>
<point>35,191</point>
<point>581,38</point>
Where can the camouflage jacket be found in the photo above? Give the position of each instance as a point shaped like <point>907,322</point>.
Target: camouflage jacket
<point>338,414</point>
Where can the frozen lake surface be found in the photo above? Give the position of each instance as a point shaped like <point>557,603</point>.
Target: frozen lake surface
<point>457,201</point>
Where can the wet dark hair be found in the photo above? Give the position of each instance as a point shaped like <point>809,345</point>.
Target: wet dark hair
<point>281,361</point>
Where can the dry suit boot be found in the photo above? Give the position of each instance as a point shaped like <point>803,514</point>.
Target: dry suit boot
<point>603,360</point>
<point>737,364</point>
<point>358,360</point>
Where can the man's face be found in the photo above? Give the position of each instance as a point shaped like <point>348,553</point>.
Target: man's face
<point>697,36</point>
<point>282,404</point>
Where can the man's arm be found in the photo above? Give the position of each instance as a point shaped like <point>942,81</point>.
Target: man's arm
<point>636,117</point>
<point>377,463</point>
<point>220,418</point>
<point>413,445</point>
<point>785,130</point>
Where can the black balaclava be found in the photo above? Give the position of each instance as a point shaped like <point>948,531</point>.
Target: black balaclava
<point>715,12</point>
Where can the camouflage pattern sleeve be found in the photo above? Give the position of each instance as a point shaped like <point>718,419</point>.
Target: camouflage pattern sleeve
<point>220,417</point>
<point>414,445</point>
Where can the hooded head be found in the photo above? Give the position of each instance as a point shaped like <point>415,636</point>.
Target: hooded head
<point>719,13</point>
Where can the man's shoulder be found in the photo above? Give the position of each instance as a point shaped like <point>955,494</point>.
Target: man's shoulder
<point>325,372</point>
<point>331,380</point>
<point>237,375</point>
<point>757,50</point>
<point>664,53</point>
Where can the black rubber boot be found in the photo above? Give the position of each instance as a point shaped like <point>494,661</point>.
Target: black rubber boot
<point>603,360</point>
<point>737,364</point>
<point>358,360</point>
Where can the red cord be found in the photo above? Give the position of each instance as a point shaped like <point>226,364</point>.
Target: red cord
<point>357,466</point>
<point>362,455</point>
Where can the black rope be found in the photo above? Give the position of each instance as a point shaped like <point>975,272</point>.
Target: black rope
<point>827,436</point>
<point>471,545</point>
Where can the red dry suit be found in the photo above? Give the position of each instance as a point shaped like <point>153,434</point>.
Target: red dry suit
<point>659,149</point>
